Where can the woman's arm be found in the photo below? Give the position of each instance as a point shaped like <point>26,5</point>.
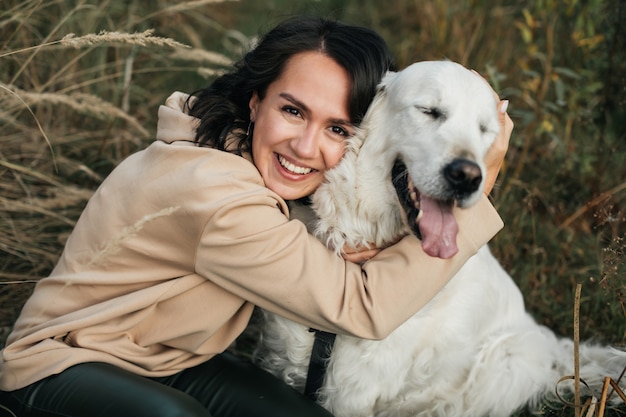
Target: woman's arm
<point>252,250</point>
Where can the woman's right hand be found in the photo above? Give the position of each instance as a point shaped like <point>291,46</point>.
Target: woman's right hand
<point>359,256</point>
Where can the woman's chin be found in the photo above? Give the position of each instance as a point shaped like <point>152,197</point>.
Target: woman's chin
<point>293,191</point>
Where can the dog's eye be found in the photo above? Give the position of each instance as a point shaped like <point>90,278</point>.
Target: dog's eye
<point>433,112</point>
<point>483,128</point>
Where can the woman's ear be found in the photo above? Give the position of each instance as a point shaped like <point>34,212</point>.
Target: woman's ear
<point>254,104</point>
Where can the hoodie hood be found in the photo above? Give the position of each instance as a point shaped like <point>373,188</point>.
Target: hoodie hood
<point>174,124</point>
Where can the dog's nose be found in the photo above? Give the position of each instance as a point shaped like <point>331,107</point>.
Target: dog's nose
<point>463,175</point>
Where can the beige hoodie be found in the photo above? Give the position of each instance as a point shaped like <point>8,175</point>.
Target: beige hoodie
<point>176,246</point>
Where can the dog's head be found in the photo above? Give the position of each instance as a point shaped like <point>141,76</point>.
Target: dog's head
<point>440,120</point>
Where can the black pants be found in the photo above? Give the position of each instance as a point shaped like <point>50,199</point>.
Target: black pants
<point>225,386</point>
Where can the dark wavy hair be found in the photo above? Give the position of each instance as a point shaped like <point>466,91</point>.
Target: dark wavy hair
<point>223,106</point>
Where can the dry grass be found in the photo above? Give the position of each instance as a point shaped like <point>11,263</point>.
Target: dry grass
<point>144,38</point>
<point>129,232</point>
<point>80,83</point>
<point>594,405</point>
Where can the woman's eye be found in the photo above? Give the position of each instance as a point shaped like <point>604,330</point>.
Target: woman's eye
<point>338,130</point>
<point>291,110</point>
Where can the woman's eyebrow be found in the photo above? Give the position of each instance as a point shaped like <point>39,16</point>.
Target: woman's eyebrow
<point>304,108</point>
<point>295,102</point>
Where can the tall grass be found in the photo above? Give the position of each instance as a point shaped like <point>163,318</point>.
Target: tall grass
<point>80,83</point>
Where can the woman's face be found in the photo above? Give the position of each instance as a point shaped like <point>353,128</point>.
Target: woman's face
<point>301,124</point>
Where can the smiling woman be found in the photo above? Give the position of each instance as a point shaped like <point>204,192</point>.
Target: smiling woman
<point>171,254</point>
<point>300,133</point>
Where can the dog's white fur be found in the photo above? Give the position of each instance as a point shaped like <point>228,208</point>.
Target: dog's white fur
<point>473,350</point>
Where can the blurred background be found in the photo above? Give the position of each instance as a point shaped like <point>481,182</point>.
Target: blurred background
<point>81,81</point>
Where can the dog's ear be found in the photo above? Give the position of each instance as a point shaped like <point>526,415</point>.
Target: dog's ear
<point>390,75</point>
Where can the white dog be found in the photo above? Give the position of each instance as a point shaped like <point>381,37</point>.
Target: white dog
<point>473,350</point>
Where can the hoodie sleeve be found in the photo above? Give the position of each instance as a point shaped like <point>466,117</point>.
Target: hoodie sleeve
<point>251,249</point>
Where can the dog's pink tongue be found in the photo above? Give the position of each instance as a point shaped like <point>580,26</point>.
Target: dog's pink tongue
<point>438,228</point>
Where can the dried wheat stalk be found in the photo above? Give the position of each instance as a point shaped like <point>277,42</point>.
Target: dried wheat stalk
<point>144,38</point>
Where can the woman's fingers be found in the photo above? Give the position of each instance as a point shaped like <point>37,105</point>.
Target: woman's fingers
<point>360,256</point>
<point>497,151</point>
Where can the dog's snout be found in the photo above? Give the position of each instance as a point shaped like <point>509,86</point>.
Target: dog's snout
<point>463,175</point>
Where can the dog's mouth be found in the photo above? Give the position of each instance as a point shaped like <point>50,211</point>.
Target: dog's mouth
<point>431,220</point>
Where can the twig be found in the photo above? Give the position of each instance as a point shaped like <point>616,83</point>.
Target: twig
<point>616,384</point>
<point>596,201</point>
<point>619,391</point>
<point>576,352</point>
<point>605,388</point>
<point>591,405</point>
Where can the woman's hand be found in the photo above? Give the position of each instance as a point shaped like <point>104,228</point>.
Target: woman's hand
<point>497,151</point>
<point>358,256</point>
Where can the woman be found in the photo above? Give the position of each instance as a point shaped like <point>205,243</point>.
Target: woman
<point>162,270</point>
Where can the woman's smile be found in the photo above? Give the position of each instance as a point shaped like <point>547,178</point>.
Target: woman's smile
<point>291,167</point>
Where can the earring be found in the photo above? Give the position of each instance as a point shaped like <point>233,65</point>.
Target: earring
<point>249,131</point>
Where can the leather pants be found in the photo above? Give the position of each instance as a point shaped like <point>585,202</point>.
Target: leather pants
<point>225,386</point>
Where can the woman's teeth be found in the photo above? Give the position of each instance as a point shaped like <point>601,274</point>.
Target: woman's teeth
<point>293,168</point>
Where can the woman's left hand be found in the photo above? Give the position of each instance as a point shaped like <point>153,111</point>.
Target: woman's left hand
<point>496,153</point>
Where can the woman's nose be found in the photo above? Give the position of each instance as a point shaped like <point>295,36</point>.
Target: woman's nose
<point>306,144</point>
